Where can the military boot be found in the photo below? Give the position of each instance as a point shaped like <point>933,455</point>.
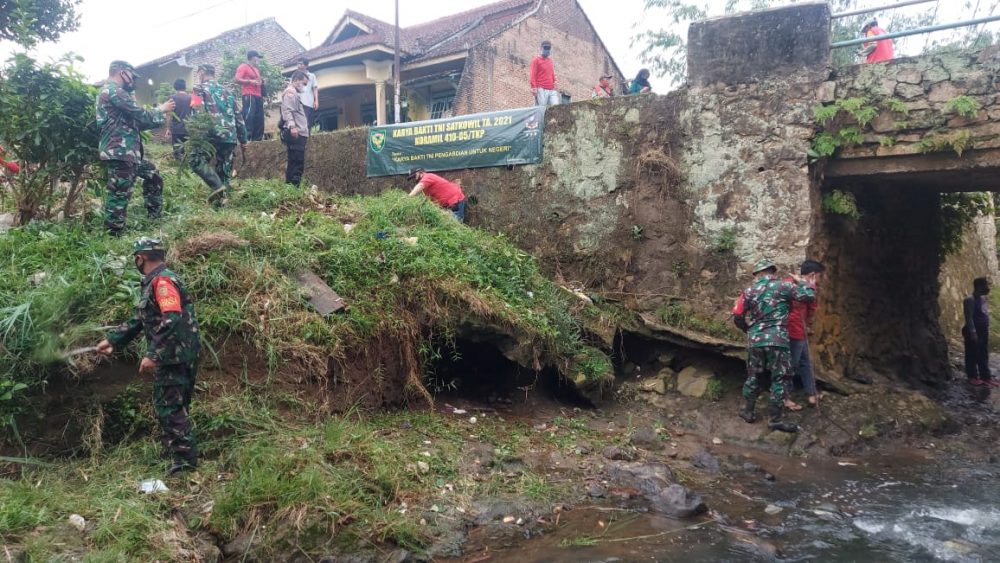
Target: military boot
<point>778,422</point>
<point>179,464</point>
<point>747,414</point>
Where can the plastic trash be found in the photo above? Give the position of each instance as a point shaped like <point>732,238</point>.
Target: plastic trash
<point>153,486</point>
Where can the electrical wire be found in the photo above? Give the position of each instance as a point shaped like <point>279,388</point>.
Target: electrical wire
<point>195,13</point>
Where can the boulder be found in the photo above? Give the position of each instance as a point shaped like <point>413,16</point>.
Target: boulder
<point>677,501</point>
<point>649,478</point>
<point>655,385</point>
<point>617,453</point>
<point>657,484</point>
<point>706,461</point>
<point>647,438</point>
<point>692,381</point>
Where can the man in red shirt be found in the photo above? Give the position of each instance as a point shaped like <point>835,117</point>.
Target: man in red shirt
<point>876,51</point>
<point>543,78</point>
<point>799,319</point>
<point>442,192</point>
<point>248,76</point>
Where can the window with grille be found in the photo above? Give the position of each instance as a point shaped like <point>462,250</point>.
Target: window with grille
<point>441,106</point>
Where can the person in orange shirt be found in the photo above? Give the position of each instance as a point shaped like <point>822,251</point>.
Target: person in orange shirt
<point>875,51</point>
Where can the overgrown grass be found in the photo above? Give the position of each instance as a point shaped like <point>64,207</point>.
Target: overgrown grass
<point>277,472</point>
<point>273,469</point>
<point>405,267</point>
<point>678,315</point>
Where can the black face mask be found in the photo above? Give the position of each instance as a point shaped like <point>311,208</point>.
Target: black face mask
<point>128,85</point>
<point>139,263</point>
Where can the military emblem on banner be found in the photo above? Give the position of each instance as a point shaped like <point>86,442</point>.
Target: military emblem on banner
<point>376,139</point>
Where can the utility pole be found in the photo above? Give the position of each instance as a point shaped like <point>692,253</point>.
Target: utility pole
<point>395,67</point>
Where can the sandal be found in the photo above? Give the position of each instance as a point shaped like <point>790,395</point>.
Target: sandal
<point>813,401</point>
<point>792,406</point>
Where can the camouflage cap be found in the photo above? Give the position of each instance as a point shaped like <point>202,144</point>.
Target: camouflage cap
<point>763,264</point>
<point>207,68</point>
<point>146,244</point>
<point>119,66</point>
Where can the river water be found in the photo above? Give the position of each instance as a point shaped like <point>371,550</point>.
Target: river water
<point>919,502</point>
<point>900,510</point>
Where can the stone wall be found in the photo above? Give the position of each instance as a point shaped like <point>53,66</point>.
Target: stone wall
<point>916,103</point>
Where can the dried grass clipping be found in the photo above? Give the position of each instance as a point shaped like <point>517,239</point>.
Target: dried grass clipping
<point>200,245</point>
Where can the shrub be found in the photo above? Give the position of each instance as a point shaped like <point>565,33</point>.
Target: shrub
<point>47,123</point>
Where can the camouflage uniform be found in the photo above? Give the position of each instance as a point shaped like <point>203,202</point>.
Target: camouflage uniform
<point>221,103</point>
<point>767,303</point>
<point>166,314</point>
<point>120,120</point>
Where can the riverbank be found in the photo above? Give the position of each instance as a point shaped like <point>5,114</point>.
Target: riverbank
<point>516,474</point>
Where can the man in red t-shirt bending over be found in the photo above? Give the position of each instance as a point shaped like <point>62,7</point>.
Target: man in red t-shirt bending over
<point>442,192</point>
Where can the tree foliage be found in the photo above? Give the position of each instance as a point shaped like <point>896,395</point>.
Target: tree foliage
<point>665,50</point>
<point>47,124</point>
<point>27,22</point>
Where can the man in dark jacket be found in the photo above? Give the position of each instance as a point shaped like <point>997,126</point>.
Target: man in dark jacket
<point>166,315</point>
<point>176,130</point>
<point>976,334</point>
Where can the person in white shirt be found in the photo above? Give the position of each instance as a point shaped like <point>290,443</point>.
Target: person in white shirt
<point>309,94</point>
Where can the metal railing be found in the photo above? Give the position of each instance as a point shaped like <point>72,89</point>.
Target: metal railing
<point>880,8</point>
<point>916,31</point>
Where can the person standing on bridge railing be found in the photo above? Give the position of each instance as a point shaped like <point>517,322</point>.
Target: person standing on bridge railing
<point>875,51</point>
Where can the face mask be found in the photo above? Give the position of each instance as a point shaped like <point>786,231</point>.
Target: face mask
<point>139,263</point>
<point>545,52</point>
<point>128,85</point>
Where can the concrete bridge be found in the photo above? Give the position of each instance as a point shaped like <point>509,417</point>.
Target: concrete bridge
<point>662,202</point>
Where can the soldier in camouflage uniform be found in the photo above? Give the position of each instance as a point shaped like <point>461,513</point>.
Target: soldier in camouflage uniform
<point>166,315</point>
<point>767,304</point>
<point>120,120</point>
<point>221,103</point>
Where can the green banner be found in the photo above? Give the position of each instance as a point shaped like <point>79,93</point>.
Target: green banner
<point>499,138</point>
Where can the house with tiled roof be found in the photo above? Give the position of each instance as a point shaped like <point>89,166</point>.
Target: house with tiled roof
<point>469,62</point>
<point>266,36</point>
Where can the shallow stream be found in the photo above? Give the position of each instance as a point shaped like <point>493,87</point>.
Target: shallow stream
<point>829,512</point>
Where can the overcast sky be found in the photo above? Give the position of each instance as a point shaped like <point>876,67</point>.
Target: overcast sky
<point>142,30</point>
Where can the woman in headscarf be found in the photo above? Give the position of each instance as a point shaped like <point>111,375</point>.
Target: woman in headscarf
<point>640,85</point>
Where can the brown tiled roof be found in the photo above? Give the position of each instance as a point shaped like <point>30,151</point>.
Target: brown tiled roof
<point>265,36</point>
<point>443,36</point>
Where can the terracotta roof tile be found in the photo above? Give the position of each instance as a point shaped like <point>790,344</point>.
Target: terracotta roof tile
<point>266,36</point>
<point>442,36</point>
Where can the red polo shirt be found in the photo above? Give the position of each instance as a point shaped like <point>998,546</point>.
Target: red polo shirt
<point>247,72</point>
<point>441,191</point>
<point>883,48</point>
